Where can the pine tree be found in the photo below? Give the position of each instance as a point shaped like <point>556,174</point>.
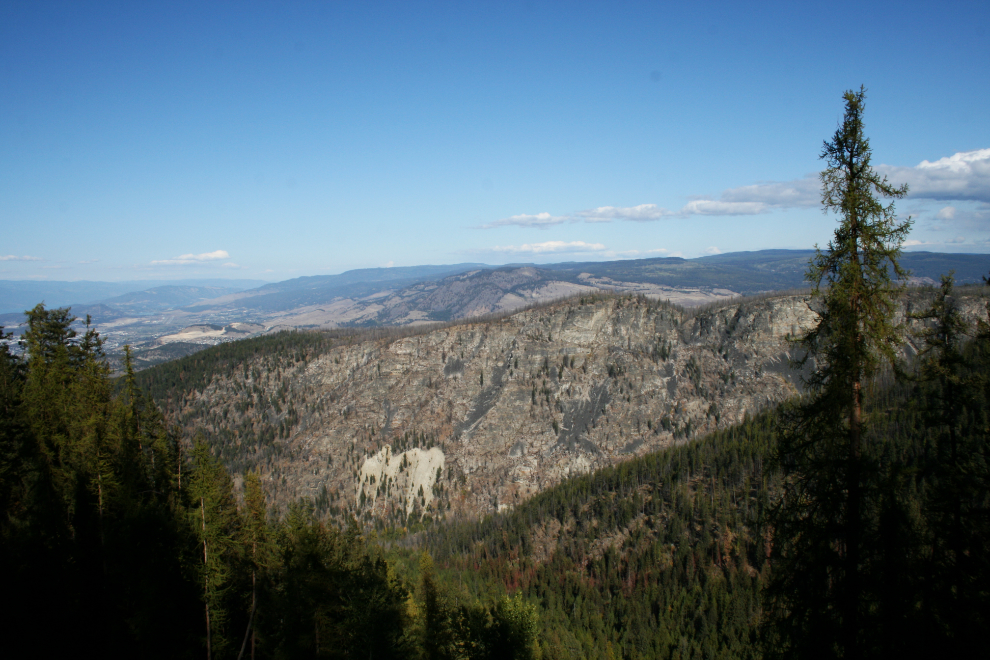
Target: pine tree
<point>18,474</point>
<point>512,633</point>
<point>213,515</point>
<point>13,490</point>
<point>438,635</point>
<point>819,589</point>
<point>258,548</point>
<point>48,394</point>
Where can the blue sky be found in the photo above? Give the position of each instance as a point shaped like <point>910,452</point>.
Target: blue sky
<point>273,140</point>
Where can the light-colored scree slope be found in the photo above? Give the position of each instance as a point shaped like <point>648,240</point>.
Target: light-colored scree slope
<point>407,475</point>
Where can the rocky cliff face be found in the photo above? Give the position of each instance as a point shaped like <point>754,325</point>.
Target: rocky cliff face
<point>474,418</point>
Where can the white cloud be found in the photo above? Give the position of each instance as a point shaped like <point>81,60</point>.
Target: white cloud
<point>550,247</point>
<point>14,257</point>
<point>963,217</point>
<point>964,175</point>
<point>799,193</point>
<point>710,207</point>
<point>389,264</point>
<point>186,259</point>
<point>652,212</point>
<point>641,213</point>
<point>712,250</point>
<point>540,221</point>
<point>748,200</point>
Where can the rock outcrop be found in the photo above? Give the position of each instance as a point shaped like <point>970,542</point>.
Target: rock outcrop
<point>473,418</point>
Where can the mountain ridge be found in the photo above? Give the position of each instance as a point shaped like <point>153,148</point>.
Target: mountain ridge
<point>150,319</point>
<point>513,404</point>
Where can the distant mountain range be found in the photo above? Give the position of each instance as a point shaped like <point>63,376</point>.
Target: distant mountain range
<point>742,272</point>
<point>19,295</point>
<point>150,317</point>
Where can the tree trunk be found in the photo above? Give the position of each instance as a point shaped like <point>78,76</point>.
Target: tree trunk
<point>957,534</point>
<point>850,618</point>
<point>206,582</point>
<point>250,627</point>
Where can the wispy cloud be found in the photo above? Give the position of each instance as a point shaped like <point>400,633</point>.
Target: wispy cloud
<point>186,259</point>
<point>964,216</point>
<point>799,193</point>
<point>641,213</point>
<point>549,247</point>
<point>719,207</point>
<point>964,176</point>
<point>539,220</point>
<point>748,200</point>
<point>14,257</point>
<point>958,241</point>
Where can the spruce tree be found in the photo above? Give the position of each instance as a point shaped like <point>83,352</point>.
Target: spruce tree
<point>438,636</point>
<point>257,547</point>
<point>819,590</point>
<point>14,493</point>
<point>214,517</point>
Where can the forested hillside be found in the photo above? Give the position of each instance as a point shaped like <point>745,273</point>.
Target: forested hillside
<point>661,556</point>
<point>507,406</point>
<point>128,541</point>
<point>669,555</point>
<point>132,540</point>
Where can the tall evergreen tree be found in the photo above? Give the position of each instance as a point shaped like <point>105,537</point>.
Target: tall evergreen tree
<point>512,633</point>
<point>213,514</point>
<point>11,440</point>
<point>17,464</point>
<point>331,599</point>
<point>258,548</point>
<point>438,632</point>
<point>819,592</point>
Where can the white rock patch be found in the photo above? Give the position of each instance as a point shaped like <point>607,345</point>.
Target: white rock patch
<point>403,474</point>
